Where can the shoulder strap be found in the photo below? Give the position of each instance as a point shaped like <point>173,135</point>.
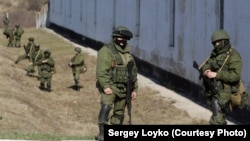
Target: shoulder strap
<point>37,54</point>
<point>203,63</point>
<point>228,54</point>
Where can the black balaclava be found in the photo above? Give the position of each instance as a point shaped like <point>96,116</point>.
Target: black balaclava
<point>122,43</point>
<point>223,43</point>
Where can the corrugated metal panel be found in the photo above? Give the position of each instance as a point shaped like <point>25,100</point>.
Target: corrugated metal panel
<point>237,22</point>
<point>153,23</point>
<point>169,34</point>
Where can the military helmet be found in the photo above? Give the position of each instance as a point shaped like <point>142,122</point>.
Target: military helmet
<point>77,49</point>
<point>121,31</point>
<point>220,35</point>
<point>31,39</point>
<point>47,52</point>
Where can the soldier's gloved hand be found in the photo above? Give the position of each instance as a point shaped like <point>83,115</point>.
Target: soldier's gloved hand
<point>108,91</point>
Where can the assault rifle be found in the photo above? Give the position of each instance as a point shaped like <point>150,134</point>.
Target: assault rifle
<point>209,84</point>
<point>129,89</point>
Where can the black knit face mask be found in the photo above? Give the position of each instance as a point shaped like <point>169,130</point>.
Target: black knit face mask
<point>220,43</point>
<point>122,42</point>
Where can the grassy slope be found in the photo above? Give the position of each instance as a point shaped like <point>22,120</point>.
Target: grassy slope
<point>26,109</point>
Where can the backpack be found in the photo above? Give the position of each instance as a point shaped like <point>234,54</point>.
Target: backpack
<point>240,98</point>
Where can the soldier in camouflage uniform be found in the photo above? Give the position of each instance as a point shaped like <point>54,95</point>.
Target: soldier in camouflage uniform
<point>18,35</point>
<point>6,25</point>
<point>76,62</point>
<point>225,79</point>
<point>47,69</point>
<point>6,22</point>
<point>11,37</point>
<point>34,57</point>
<point>112,77</point>
<point>29,47</point>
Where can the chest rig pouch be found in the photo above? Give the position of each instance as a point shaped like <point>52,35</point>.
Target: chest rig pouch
<point>119,72</point>
<point>46,68</point>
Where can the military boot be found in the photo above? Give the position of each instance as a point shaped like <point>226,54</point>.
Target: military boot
<point>42,86</point>
<point>103,116</point>
<point>100,137</point>
<point>48,88</point>
<point>78,88</point>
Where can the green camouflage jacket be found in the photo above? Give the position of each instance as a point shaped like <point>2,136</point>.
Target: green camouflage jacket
<point>108,63</point>
<point>77,62</point>
<point>46,68</point>
<point>230,74</point>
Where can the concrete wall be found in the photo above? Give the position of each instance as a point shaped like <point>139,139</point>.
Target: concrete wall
<point>168,34</point>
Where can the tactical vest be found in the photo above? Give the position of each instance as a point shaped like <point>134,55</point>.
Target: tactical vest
<point>119,71</point>
<point>76,58</point>
<point>46,67</point>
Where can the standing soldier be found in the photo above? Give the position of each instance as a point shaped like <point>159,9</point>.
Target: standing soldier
<point>18,35</point>
<point>6,21</point>
<point>10,35</point>
<point>112,78</point>
<point>27,48</point>
<point>76,62</point>
<point>223,68</point>
<point>47,69</point>
<point>35,56</point>
<point>6,24</point>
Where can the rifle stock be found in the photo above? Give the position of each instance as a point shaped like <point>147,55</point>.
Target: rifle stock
<point>129,89</point>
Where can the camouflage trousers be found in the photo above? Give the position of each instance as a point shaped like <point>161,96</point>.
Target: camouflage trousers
<point>17,42</point>
<point>118,104</point>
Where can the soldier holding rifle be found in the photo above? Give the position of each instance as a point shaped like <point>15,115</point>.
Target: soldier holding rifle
<point>116,75</point>
<point>222,72</point>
